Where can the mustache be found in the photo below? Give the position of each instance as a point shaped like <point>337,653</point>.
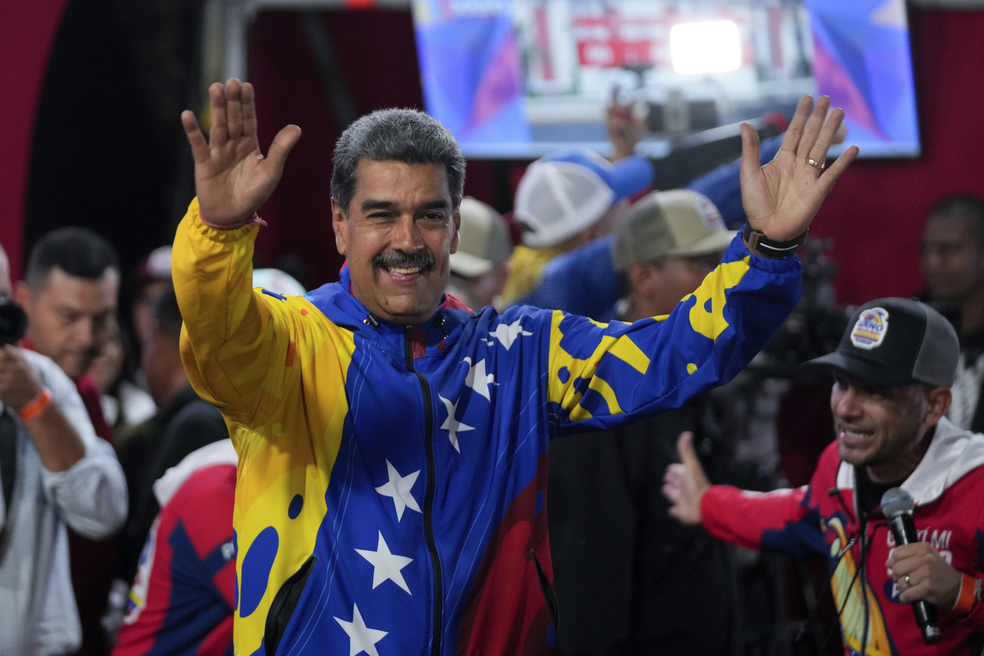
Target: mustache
<point>422,259</point>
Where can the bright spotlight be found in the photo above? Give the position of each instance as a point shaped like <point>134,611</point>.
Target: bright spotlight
<point>706,47</point>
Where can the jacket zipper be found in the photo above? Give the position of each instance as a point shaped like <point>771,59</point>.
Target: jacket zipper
<point>429,495</point>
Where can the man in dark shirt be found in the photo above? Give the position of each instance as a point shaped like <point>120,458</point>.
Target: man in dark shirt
<point>631,580</point>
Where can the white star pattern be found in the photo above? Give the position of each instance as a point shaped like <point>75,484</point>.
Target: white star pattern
<point>477,379</point>
<point>452,425</point>
<point>386,565</point>
<point>361,637</point>
<point>508,334</point>
<point>398,488</point>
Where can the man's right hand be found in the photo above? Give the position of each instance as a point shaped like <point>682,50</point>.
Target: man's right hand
<point>232,178</point>
<point>684,484</point>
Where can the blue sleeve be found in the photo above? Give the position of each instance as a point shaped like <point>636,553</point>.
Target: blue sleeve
<point>601,375</point>
<point>581,282</point>
<point>723,187</point>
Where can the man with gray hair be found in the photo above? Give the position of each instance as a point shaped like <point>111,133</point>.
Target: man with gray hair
<point>892,373</point>
<point>391,492</point>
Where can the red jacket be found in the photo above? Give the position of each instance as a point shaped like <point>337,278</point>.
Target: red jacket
<point>820,519</point>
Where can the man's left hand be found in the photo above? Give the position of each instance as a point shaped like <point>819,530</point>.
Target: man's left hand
<point>782,197</point>
<point>921,573</point>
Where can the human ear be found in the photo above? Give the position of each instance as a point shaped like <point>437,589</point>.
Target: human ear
<point>938,402</point>
<point>22,294</point>
<point>642,277</point>
<point>456,221</point>
<point>339,222</point>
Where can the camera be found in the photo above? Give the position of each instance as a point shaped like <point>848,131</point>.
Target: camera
<point>13,321</point>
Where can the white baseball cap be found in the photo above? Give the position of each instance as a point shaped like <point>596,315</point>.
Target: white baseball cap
<point>564,193</point>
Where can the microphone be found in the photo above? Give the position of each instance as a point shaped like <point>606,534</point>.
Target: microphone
<point>897,507</point>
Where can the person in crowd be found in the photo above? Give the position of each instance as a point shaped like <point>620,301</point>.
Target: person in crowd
<point>892,373</point>
<point>629,578</point>
<point>183,424</point>
<point>54,473</point>
<point>184,592</point>
<point>566,200</point>
<point>392,476</point>
<point>123,402</point>
<point>480,266</point>
<point>69,292</point>
<point>952,264</point>
<point>151,275</point>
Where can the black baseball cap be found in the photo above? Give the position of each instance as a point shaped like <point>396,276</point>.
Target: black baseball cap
<point>896,341</point>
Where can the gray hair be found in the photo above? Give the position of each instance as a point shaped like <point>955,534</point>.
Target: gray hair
<point>396,135</point>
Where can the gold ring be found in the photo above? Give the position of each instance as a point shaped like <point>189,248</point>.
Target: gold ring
<point>814,163</point>
<point>907,580</point>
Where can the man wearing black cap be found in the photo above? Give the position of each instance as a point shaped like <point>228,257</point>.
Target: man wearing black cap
<point>892,375</point>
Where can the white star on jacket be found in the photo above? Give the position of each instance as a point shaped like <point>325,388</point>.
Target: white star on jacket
<point>452,425</point>
<point>508,334</point>
<point>398,488</point>
<point>361,637</point>
<point>386,565</point>
<point>477,379</point>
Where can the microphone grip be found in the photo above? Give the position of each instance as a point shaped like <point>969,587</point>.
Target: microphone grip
<point>904,531</point>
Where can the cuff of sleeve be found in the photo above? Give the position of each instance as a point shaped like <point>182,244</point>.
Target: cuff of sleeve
<point>975,618</point>
<point>710,502</point>
<point>247,231</point>
<point>739,251</point>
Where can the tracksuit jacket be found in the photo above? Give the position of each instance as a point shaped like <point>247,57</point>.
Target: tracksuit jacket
<point>391,492</point>
<point>820,519</point>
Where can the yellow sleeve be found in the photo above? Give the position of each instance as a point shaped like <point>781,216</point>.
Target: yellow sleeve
<point>235,342</point>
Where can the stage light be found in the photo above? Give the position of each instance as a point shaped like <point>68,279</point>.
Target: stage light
<point>705,47</point>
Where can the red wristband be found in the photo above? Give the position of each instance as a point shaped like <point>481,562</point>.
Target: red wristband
<point>36,406</point>
<point>966,598</point>
<point>253,220</point>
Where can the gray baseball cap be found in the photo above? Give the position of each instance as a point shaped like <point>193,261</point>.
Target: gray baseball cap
<point>483,241</point>
<point>680,222</point>
<point>896,341</point>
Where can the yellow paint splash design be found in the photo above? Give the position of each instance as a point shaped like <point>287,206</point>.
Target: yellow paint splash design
<point>853,618</point>
<point>725,276</point>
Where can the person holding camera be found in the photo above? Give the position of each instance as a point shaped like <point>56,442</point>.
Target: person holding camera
<point>54,473</point>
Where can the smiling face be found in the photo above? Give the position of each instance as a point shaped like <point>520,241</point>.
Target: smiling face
<point>883,430</point>
<point>397,236</point>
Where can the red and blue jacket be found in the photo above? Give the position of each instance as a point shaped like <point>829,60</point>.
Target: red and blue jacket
<point>820,519</point>
<point>183,594</point>
<point>391,493</point>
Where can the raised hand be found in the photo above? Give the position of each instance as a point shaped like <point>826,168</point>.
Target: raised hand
<point>625,125</point>
<point>232,178</point>
<point>782,197</point>
<point>684,484</point>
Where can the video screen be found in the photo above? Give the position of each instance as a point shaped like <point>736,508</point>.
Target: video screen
<point>521,78</point>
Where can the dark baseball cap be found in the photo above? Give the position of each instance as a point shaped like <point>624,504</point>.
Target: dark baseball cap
<point>896,341</point>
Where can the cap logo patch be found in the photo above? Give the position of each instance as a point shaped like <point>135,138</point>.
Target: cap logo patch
<point>709,214</point>
<point>870,329</point>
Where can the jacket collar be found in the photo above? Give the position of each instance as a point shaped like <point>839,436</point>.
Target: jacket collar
<point>338,303</point>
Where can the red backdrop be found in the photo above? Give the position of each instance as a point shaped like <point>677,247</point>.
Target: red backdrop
<point>27,30</point>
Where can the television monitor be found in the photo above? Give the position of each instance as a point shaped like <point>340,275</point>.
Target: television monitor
<point>521,78</point>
